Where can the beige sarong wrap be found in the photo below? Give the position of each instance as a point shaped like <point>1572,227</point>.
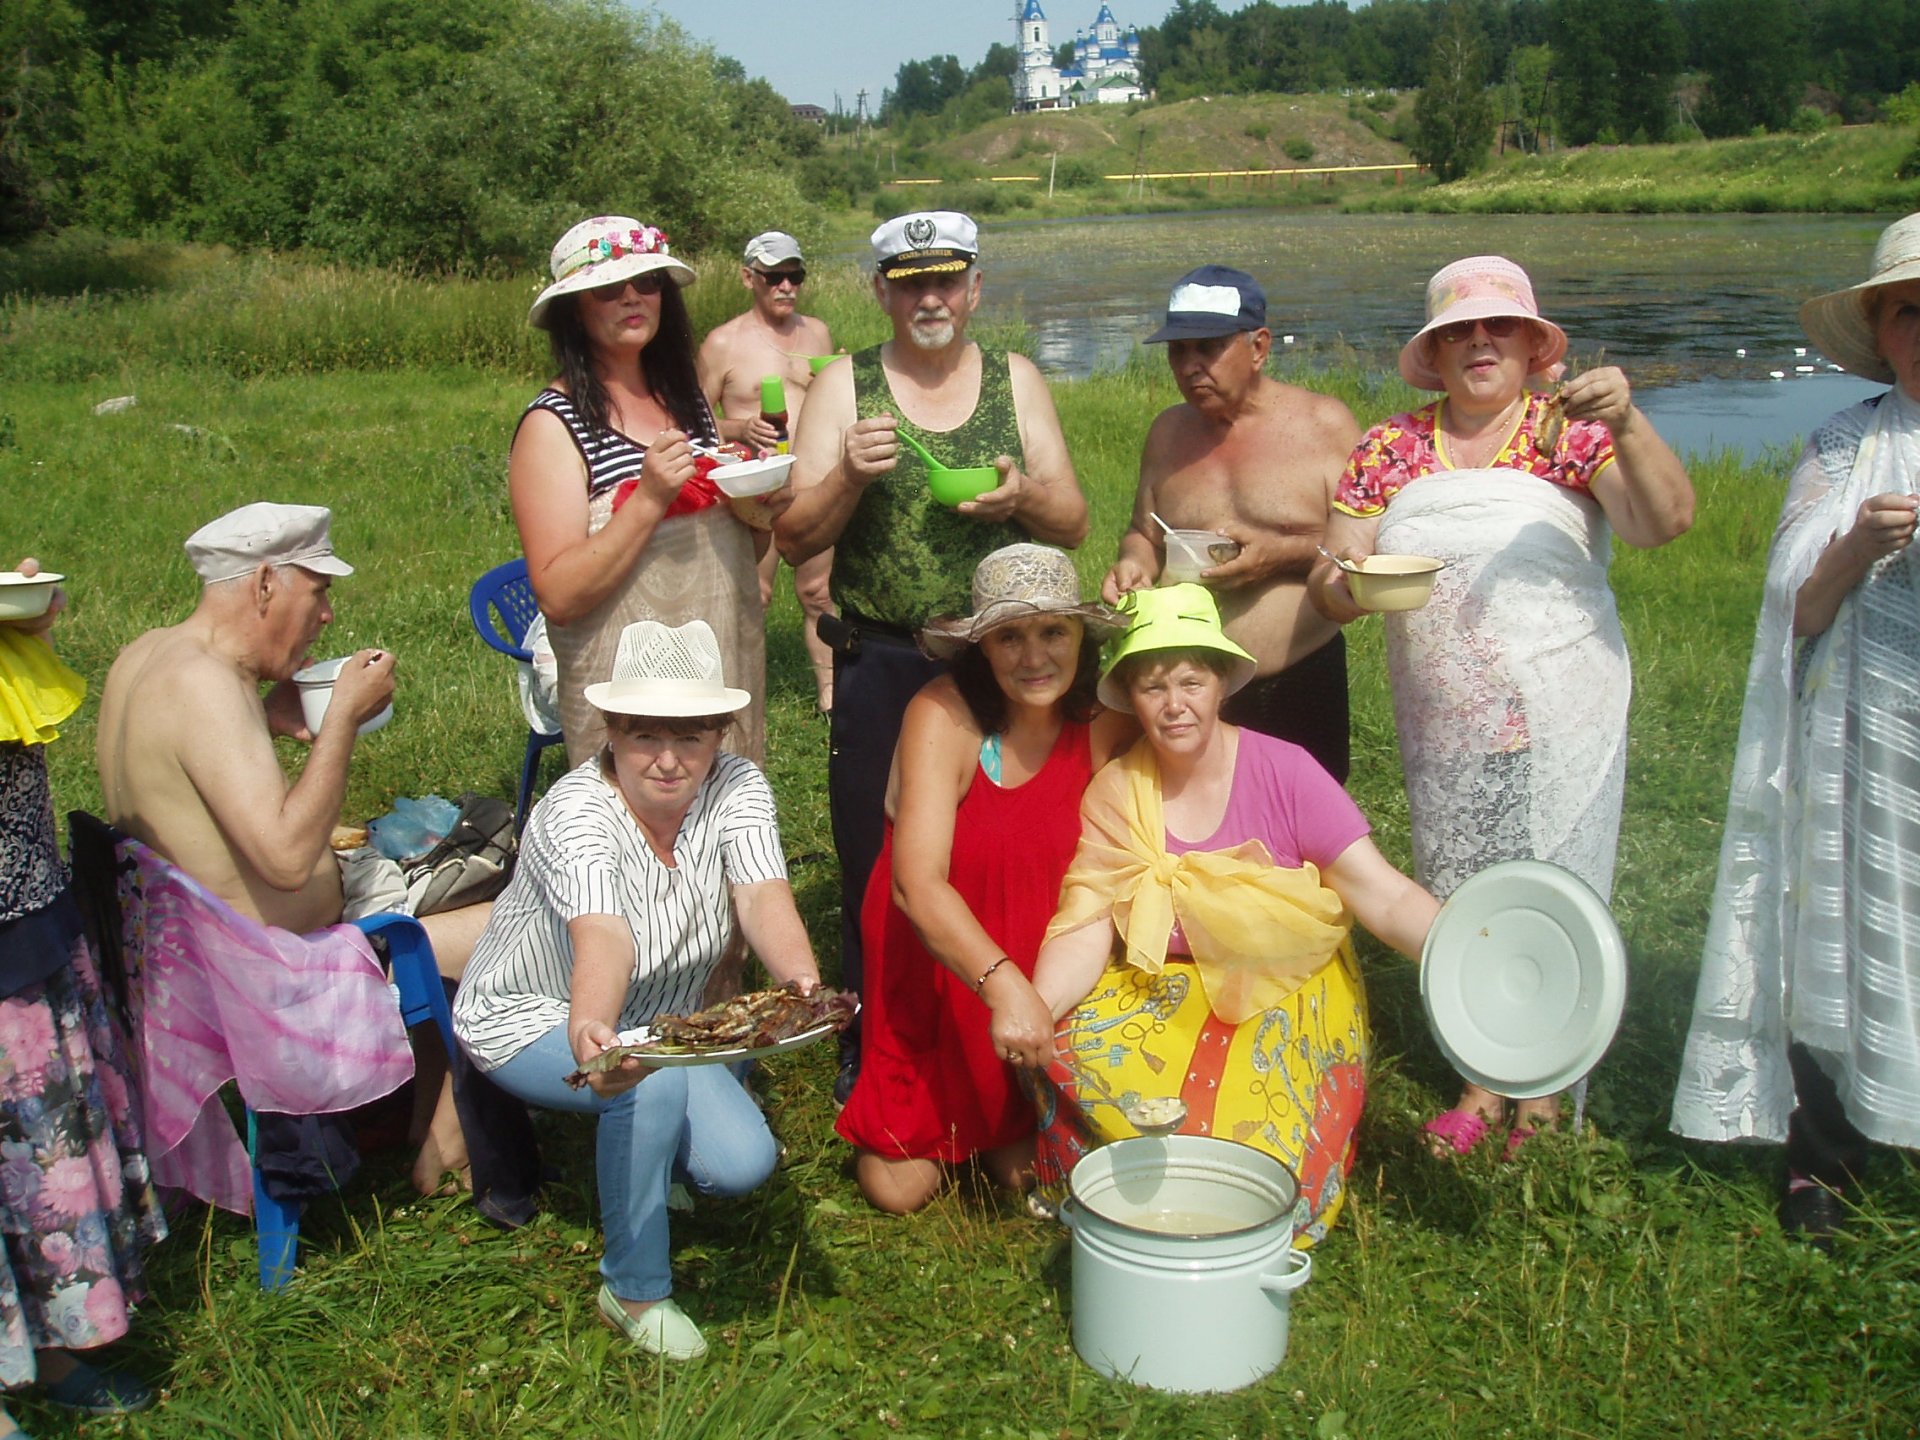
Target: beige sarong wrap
<point>694,567</point>
<point>1256,930</point>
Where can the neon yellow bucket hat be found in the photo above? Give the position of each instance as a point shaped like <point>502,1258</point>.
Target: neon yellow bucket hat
<point>1174,617</point>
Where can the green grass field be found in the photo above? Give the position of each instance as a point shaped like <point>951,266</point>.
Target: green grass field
<point>1618,1283</point>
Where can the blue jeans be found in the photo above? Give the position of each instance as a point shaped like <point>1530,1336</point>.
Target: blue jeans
<point>697,1123</point>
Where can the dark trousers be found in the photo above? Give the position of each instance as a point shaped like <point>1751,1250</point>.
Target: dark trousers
<point>1305,703</point>
<point>875,674</point>
<point>1821,1142</point>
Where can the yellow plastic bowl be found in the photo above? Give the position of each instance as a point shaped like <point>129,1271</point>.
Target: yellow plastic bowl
<point>953,487</point>
<point>1394,582</point>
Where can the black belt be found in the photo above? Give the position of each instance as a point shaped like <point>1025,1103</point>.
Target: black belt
<point>845,634</point>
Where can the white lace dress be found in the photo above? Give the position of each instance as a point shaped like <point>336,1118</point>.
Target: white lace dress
<point>1510,686</point>
<point>1814,934</point>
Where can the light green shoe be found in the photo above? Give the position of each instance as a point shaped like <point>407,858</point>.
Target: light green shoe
<point>661,1329</point>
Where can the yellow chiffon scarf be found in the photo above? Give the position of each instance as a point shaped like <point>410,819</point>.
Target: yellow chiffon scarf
<point>37,691</point>
<point>1256,930</point>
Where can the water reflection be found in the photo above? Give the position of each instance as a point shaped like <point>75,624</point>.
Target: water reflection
<point>1673,299</point>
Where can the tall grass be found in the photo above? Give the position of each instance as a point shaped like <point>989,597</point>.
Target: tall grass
<point>1618,1284</point>
<point>1855,170</point>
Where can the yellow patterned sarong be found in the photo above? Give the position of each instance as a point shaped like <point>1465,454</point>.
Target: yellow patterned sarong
<point>1277,1060</point>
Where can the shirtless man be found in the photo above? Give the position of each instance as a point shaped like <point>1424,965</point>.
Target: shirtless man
<point>773,339</point>
<point>185,745</point>
<point>1257,461</point>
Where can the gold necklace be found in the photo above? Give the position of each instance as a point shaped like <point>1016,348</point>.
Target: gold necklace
<point>1461,446</point>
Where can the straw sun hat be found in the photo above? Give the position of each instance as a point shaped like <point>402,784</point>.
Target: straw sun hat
<point>1480,287</point>
<point>600,251</point>
<point>1012,583</point>
<point>1174,617</point>
<point>668,673</point>
<point>1839,322</point>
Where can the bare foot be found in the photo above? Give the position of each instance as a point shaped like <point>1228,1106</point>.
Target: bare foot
<point>442,1168</point>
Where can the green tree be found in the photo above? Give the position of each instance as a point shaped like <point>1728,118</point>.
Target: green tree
<point>1452,118</point>
<point>1754,54</point>
<point>44,65</point>
<point>1618,62</point>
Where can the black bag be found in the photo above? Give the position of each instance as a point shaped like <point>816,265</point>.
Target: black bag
<point>473,863</point>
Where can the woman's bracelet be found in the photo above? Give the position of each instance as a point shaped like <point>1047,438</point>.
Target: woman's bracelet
<point>980,980</point>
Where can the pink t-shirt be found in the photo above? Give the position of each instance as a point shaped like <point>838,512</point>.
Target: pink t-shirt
<point>1284,799</point>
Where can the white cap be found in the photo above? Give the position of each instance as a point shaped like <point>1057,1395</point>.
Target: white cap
<point>263,533</point>
<point>772,247</point>
<point>927,242</point>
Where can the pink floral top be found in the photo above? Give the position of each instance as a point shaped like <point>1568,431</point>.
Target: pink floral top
<point>1396,452</point>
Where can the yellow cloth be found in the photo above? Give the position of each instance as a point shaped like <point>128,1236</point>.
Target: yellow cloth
<point>1256,930</point>
<point>1291,1081</point>
<point>37,691</point>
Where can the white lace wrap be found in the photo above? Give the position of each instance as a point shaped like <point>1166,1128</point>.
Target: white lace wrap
<point>1815,930</point>
<point>1510,686</point>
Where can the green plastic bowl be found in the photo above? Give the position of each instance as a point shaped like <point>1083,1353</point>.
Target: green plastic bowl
<point>952,487</point>
<point>817,363</point>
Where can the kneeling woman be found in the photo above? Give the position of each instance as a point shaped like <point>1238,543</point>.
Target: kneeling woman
<point>1228,864</point>
<point>984,810</point>
<point>630,873</point>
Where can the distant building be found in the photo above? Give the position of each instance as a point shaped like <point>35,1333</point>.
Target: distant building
<point>812,114</point>
<point>1105,68</point>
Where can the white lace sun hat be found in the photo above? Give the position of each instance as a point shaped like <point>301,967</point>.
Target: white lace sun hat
<point>670,672</point>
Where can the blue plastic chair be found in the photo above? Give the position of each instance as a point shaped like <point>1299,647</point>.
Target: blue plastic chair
<point>276,1223</point>
<point>502,605</point>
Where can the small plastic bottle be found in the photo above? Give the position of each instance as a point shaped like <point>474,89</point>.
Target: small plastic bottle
<point>773,410</point>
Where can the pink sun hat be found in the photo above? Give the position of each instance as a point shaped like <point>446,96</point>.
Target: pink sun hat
<point>1479,287</point>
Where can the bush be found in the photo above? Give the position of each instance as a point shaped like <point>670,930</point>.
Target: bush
<point>1076,172</point>
<point>1299,149</point>
<point>1808,120</point>
<point>1257,132</point>
<point>1904,108</point>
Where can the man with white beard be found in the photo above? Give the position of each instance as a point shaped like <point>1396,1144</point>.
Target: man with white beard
<point>900,556</point>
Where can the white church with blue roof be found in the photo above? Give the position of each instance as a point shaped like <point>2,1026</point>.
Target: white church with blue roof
<point>1105,68</point>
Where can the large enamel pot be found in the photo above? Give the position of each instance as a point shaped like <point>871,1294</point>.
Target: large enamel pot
<point>1183,1261</point>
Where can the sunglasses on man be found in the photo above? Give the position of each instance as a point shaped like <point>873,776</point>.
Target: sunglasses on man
<point>773,277</point>
<point>1498,327</point>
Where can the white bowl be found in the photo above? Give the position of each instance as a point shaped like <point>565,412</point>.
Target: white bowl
<point>1191,551</point>
<point>1394,582</point>
<point>26,597</point>
<point>745,478</point>
<point>316,693</point>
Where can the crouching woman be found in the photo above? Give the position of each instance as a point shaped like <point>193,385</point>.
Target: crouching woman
<point>631,871</point>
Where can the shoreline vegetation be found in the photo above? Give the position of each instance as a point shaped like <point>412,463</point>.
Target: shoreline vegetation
<point>1617,1283</point>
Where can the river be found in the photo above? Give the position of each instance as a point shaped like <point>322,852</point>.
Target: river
<point>1698,309</point>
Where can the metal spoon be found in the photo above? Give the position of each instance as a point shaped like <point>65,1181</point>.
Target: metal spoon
<point>1149,1114</point>
<point>1340,560</point>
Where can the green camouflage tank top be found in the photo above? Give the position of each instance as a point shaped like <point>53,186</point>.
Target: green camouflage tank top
<point>904,557</point>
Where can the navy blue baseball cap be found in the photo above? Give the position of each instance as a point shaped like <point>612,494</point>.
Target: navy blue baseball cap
<point>1213,300</point>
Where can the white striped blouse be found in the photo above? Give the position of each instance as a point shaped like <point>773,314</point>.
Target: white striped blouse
<point>583,854</point>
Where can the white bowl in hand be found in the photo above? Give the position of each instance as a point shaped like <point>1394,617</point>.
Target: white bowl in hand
<point>316,693</point>
<point>26,597</point>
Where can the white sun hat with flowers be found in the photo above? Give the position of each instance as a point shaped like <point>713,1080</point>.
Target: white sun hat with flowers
<point>600,251</point>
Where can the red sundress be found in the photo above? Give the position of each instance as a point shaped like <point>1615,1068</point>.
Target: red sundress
<point>931,1086</point>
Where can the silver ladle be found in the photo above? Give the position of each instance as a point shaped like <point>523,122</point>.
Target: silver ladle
<point>1149,1114</point>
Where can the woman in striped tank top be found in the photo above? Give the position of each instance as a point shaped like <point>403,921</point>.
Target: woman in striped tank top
<point>616,523</point>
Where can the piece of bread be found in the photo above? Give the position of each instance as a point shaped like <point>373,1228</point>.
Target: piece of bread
<point>349,837</point>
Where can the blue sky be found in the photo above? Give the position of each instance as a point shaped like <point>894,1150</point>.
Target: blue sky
<point>808,49</point>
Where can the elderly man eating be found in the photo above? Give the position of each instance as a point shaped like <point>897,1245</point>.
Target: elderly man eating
<point>1257,461</point>
<point>901,557</point>
<point>187,766</point>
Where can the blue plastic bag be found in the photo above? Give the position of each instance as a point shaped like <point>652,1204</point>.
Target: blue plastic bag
<point>413,827</point>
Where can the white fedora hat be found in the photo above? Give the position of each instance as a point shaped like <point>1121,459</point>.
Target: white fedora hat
<point>1838,322</point>
<point>671,672</point>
